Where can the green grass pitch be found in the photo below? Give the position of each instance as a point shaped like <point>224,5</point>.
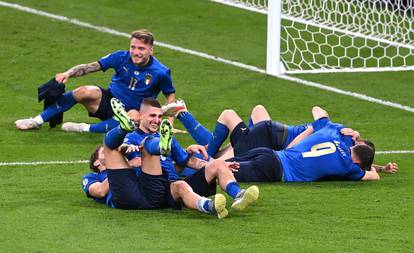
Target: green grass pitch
<point>43,208</point>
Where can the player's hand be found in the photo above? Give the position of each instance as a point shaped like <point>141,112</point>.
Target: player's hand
<point>62,77</point>
<point>391,168</point>
<point>192,149</point>
<point>350,132</point>
<point>233,166</point>
<point>129,148</point>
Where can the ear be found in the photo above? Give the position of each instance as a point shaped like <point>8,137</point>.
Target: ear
<point>355,158</point>
<point>97,163</point>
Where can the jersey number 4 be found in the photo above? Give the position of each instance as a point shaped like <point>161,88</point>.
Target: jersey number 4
<point>320,149</point>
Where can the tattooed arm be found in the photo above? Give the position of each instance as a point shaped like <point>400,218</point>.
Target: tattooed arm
<point>78,70</point>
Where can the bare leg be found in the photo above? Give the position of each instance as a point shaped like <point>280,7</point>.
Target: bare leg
<point>218,169</point>
<point>259,113</point>
<point>150,164</point>
<point>181,190</point>
<point>114,159</point>
<point>89,96</point>
<point>230,119</point>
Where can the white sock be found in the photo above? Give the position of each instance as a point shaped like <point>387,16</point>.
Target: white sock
<point>38,119</point>
<point>86,128</point>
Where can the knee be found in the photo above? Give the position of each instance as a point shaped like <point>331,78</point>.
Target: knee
<point>215,167</point>
<point>86,93</point>
<point>227,114</point>
<point>178,188</point>
<point>258,108</point>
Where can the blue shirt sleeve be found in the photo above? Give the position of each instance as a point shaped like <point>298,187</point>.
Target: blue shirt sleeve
<point>355,173</point>
<point>320,123</point>
<point>178,154</point>
<point>87,181</point>
<point>110,61</point>
<point>166,83</point>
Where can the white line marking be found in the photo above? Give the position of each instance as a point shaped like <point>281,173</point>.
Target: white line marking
<point>211,57</point>
<point>42,163</point>
<point>389,152</point>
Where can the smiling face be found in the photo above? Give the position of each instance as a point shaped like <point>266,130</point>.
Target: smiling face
<point>140,52</point>
<point>150,118</point>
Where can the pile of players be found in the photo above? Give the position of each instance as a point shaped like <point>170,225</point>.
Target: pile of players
<point>142,166</point>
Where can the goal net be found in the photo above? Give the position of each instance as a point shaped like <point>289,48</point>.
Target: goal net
<point>316,36</point>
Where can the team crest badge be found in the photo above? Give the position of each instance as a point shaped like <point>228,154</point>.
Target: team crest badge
<point>148,78</point>
<point>136,73</point>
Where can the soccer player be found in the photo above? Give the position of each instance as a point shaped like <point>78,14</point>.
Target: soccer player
<point>138,75</point>
<point>95,184</point>
<point>261,132</point>
<point>203,181</point>
<point>152,188</point>
<point>324,155</point>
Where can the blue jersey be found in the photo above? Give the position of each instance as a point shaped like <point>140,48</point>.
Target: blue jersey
<point>92,178</point>
<point>178,154</point>
<point>322,155</point>
<point>131,84</point>
<point>293,132</point>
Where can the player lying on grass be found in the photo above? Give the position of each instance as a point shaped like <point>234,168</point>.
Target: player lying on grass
<point>151,146</point>
<point>261,132</point>
<point>323,155</point>
<point>138,75</point>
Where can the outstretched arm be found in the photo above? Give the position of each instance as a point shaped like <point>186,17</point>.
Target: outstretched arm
<point>78,70</point>
<point>388,168</point>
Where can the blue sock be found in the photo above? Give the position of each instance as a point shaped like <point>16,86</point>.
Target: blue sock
<point>232,189</point>
<point>250,125</point>
<point>205,205</point>
<point>219,136</point>
<point>152,145</point>
<point>64,103</point>
<point>199,133</point>
<point>115,137</point>
<point>104,126</point>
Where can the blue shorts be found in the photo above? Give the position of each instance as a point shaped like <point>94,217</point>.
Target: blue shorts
<point>258,165</point>
<point>267,134</point>
<point>198,182</point>
<point>104,111</point>
<point>130,191</point>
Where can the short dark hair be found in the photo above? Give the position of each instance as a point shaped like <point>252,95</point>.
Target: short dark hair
<point>143,35</point>
<point>369,143</point>
<point>151,102</point>
<point>94,158</point>
<point>365,155</point>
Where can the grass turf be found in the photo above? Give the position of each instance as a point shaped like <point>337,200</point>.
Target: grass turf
<point>44,210</point>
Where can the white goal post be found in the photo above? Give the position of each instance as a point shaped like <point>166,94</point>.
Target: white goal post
<point>319,36</point>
